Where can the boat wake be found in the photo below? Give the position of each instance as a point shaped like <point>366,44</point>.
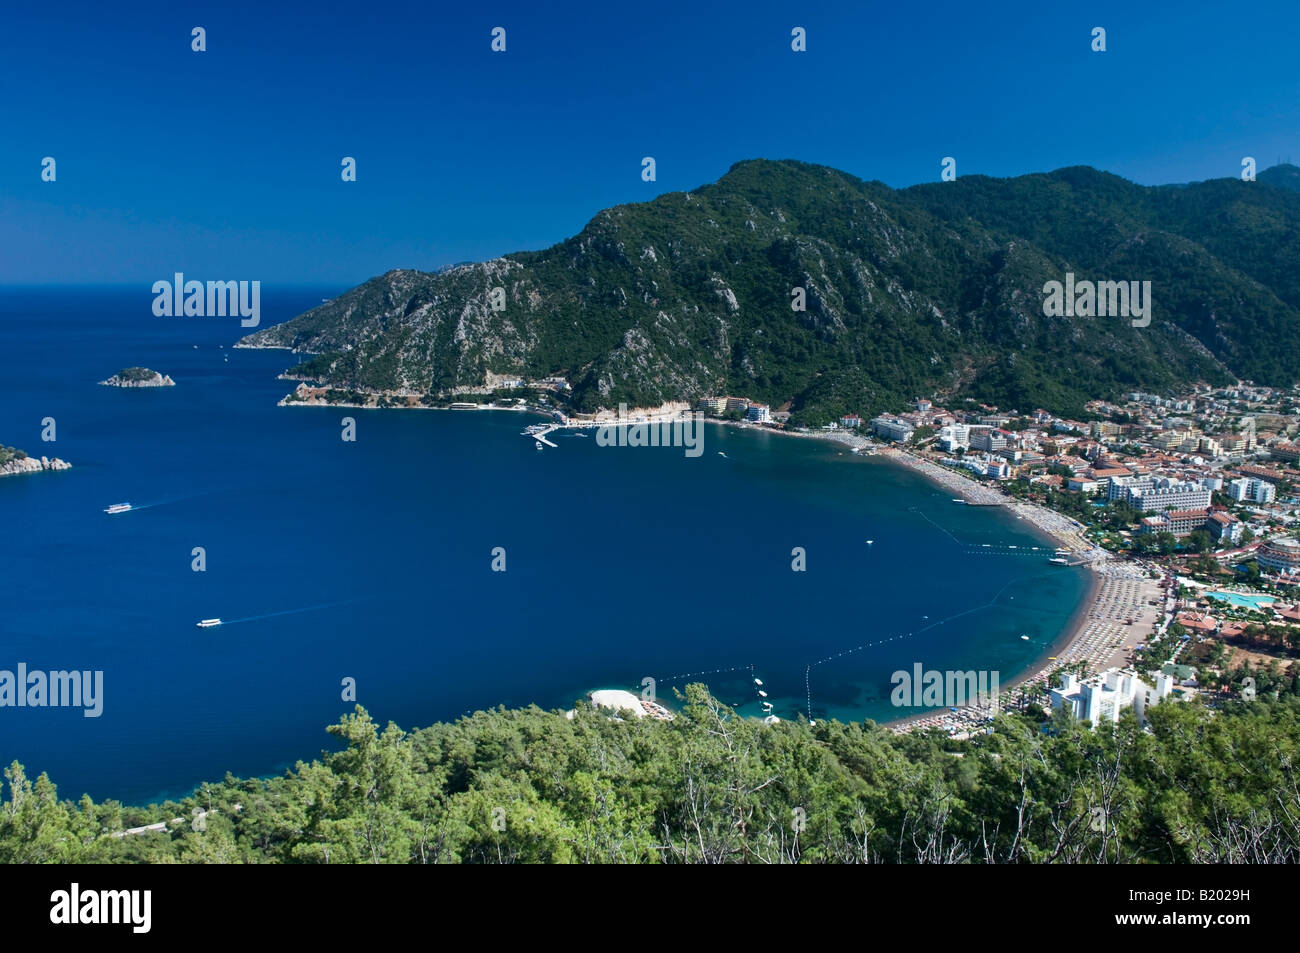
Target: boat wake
<point>269,615</point>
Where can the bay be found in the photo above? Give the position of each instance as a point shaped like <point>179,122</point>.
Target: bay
<point>371,560</point>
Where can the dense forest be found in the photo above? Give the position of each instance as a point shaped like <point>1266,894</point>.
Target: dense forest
<point>505,786</point>
<point>934,290</point>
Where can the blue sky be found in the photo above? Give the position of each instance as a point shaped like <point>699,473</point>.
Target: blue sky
<point>225,164</point>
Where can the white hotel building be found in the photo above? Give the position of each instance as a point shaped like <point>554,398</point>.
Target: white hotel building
<point>1101,698</point>
<point>1159,494</point>
<point>1256,491</point>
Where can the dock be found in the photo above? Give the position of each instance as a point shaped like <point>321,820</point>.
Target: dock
<point>539,431</point>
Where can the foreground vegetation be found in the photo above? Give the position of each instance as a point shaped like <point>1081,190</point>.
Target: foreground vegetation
<point>1200,786</point>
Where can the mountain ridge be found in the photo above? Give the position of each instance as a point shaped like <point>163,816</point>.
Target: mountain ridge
<point>932,290</point>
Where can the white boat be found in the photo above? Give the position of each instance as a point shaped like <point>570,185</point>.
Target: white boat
<point>758,682</point>
<point>959,501</point>
<point>762,693</point>
<point>870,541</point>
<point>1025,637</point>
<point>118,508</point>
<point>208,623</point>
<point>1059,561</point>
<point>539,445</point>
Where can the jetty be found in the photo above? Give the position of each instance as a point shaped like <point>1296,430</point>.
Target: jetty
<point>539,431</point>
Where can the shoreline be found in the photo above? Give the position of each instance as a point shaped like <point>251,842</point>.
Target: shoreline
<point>1078,638</point>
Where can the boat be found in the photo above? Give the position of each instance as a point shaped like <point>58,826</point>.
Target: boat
<point>958,501</point>
<point>1025,637</point>
<point>208,623</point>
<point>1051,658</point>
<point>870,541</point>
<point>118,508</point>
<point>762,693</point>
<point>758,682</point>
<point>1059,561</point>
<point>723,455</point>
<point>539,445</point>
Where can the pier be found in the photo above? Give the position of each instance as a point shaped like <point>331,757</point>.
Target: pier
<point>539,431</point>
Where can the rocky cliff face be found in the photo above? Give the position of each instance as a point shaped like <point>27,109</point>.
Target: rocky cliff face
<point>17,465</point>
<point>791,282</point>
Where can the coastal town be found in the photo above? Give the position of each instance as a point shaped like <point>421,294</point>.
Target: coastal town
<point>1184,507</point>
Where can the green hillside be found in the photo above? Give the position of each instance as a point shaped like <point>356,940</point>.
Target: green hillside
<point>934,290</point>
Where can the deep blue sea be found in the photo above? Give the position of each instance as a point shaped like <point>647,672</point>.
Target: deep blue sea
<point>372,559</point>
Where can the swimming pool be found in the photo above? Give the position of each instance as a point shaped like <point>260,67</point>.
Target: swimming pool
<point>1242,601</point>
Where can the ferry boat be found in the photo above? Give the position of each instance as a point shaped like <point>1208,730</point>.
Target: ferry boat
<point>1059,561</point>
<point>208,623</point>
<point>118,508</point>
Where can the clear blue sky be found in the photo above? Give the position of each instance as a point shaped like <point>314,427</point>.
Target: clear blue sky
<point>225,164</point>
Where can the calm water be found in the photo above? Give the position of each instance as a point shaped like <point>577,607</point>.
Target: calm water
<point>372,560</point>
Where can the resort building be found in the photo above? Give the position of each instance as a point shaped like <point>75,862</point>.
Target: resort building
<point>1222,526</point>
<point>1253,489</point>
<point>891,428</point>
<point>1120,486</point>
<point>988,440</point>
<point>850,422</point>
<point>712,405</point>
<point>1287,452</point>
<point>1281,555</point>
<point>954,437</point>
<point>1167,494</point>
<point>1225,528</point>
<point>740,404</point>
<point>1101,698</point>
<point>759,413</point>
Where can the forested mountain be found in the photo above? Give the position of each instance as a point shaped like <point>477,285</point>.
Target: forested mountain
<point>532,786</point>
<point>934,290</point>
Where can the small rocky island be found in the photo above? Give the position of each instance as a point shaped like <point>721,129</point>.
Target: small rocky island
<point>14,461</point>
<point>138,377</point>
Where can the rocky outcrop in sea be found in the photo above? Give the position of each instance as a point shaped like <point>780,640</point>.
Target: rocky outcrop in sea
<point>138,377</point>
<point>32,465</point>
